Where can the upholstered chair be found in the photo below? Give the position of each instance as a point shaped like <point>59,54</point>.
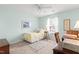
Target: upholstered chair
<point>58,40</point>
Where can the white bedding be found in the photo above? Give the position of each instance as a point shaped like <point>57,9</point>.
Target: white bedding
<point>71,44</point>
<point>32,37</point>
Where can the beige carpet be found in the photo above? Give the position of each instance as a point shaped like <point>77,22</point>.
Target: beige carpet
<point>40,47</point>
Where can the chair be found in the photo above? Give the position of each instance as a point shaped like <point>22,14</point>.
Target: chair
<point>57,37</point>
<point>59,49</point>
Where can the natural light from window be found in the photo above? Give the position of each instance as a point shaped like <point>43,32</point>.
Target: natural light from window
<point>52,24</point>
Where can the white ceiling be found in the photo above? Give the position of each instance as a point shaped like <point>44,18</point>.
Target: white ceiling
<point>47,9</point>
<point>41,9</point>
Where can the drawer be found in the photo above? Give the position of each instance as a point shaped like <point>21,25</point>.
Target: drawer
<point>4,49</point>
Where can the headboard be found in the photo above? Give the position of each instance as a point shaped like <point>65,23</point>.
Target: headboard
<point>73,32</point>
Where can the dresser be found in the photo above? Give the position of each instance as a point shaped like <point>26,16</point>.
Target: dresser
<point>4,46</point>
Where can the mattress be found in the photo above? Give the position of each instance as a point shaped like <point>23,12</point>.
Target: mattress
<point>71,44</point>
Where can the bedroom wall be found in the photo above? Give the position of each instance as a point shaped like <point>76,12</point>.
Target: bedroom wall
<point>73,15</point>
<point>11,23</point>
<point>11,20</point>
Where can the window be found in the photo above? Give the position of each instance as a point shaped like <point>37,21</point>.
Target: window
<point>52,24</point>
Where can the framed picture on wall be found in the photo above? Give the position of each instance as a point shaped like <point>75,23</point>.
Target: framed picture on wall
<point>26,24</point>
<point>66,24</point>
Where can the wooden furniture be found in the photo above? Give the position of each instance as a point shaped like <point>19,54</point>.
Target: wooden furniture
<point>45,34</point>
<point>61,50</point>
<point>71,34</point>
<point>4,46</point>
<point>57,37</point>
<point>67,24</point>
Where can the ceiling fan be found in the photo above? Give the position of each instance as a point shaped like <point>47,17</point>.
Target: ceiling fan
<point>43,6</point>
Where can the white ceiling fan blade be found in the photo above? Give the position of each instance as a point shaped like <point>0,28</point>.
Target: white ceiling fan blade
<point>41,6</point>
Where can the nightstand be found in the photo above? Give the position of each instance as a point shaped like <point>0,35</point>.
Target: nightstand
<point>4,46</point>
<point>45,34</point>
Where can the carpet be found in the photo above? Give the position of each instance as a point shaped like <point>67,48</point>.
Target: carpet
<point>40,47</point>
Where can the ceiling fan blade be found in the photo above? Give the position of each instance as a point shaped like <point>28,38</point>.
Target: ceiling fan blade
<point>40,6</point>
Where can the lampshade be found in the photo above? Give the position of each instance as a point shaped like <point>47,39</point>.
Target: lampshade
<point>77,25</point>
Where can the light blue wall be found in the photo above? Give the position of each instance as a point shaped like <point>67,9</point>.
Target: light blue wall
<point>11,23</point>
<point>43,20</point>
<point>73,15</point>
